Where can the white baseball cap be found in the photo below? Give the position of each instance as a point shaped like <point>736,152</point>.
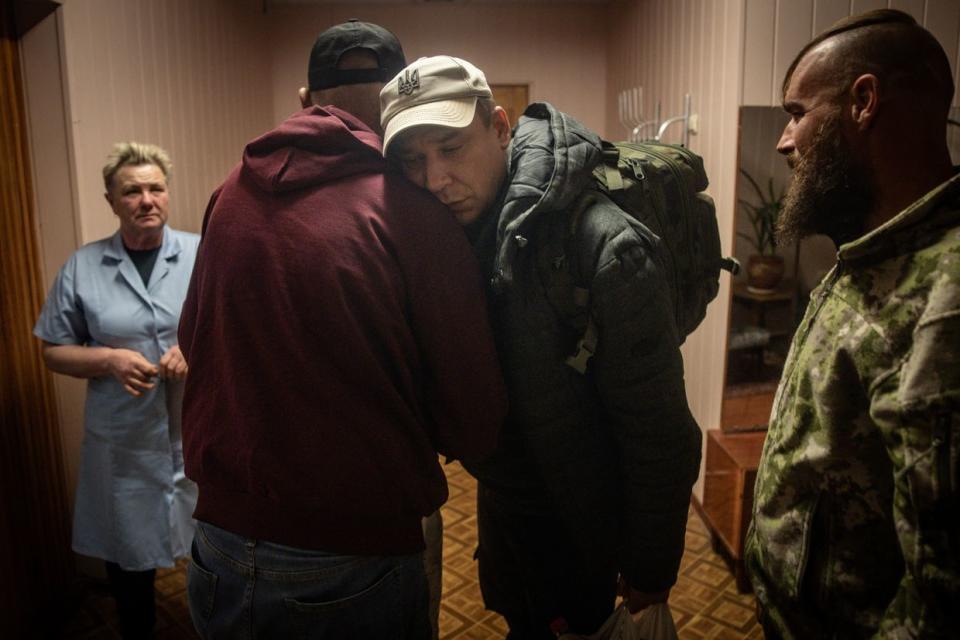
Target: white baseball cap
<point>441,90</point>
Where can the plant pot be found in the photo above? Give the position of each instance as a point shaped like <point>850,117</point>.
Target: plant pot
<point>764,273</point>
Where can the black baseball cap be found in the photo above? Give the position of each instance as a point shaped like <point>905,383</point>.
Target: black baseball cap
<point>330,45</point>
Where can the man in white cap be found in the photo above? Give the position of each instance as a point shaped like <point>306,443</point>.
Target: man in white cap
<point>337,340</point>
<point>587,493</point>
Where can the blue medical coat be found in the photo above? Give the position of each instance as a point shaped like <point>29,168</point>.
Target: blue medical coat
<point>134,505</point>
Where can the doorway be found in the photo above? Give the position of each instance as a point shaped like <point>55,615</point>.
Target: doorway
<point>514,99</point>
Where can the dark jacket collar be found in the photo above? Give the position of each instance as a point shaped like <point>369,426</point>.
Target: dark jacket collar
<point>550,162</point>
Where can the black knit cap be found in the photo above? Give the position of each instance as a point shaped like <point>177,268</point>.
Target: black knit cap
<point>353,34</point>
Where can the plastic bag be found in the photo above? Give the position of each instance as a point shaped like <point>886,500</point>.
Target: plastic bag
<point>656,623</point>
<point>619,626</point>
<point>653,623</point>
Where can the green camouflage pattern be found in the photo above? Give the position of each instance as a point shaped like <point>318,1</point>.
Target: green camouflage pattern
<point>855,525</point>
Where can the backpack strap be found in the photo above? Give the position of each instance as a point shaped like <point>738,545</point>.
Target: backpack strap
<point>587,344</point>
<point>611,170</point>
<point>586,347</point>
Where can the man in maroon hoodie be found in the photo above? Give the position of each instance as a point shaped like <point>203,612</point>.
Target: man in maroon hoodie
<point>336,338</point>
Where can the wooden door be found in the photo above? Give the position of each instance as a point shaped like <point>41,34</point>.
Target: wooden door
<point>35,558</point>
<point>514,98</point>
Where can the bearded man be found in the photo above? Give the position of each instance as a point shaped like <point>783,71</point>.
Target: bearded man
<point>855,527</point>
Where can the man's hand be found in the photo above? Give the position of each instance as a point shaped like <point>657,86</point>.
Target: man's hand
<point>637,601</point>
<point>172,364</point>
<point>132,370</point>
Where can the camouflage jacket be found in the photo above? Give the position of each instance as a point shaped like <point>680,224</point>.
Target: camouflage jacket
<point>855,526</point>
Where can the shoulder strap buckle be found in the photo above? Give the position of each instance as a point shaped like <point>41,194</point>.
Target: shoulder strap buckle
<point>611,170</point>
<point>586,347</point>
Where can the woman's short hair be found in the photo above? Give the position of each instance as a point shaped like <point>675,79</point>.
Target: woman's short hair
<point>127,154</point>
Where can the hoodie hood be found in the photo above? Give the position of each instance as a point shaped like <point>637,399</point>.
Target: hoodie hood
<point>550,162</point>
<point>314,146</point>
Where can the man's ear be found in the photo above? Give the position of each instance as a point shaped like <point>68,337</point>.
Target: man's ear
<point>501,124</point>
<point>864,101</point>
<point>305,100</point>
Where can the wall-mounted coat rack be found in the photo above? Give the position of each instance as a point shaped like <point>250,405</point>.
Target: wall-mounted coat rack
<point>630,109</point>
<point>638,132</point>
<point>630,113</point>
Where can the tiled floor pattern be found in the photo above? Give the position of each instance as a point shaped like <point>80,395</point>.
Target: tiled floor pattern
<point>704,602</point>
<point>93,615</point>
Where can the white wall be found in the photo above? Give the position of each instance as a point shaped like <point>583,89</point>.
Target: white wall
<point>183,74</point>
<point>673,47</point>
<point>177,73</point>
<point>776,30</point>
<point>557,48</point>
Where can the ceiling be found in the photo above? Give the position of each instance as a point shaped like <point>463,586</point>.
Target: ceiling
<point>434,1</point>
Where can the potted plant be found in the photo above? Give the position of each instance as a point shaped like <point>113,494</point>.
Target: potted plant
<point>765,267</point>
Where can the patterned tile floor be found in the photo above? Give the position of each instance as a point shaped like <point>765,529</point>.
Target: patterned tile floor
<point>705,602</point>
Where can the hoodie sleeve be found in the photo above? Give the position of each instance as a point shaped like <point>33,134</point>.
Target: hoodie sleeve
<point>463,390</point>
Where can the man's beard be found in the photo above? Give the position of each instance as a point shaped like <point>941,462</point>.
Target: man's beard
<point>830,192</point>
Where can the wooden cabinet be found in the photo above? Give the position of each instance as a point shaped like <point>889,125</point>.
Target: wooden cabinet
<point>731,470</point>
<point>759,301</point>
<point>762,325</point>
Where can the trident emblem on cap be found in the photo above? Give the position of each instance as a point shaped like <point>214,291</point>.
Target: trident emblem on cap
<point>409,82</point>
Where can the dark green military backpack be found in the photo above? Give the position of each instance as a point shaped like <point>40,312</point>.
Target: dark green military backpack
<point>661,185</point>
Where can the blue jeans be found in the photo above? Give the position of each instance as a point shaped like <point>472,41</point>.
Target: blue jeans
<point>433,566</point>
<point>244,588</point>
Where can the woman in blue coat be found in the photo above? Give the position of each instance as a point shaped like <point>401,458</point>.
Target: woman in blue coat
<point>111,317</point>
